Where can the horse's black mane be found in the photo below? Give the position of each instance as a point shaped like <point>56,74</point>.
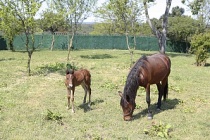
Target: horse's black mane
<point>132,82</point>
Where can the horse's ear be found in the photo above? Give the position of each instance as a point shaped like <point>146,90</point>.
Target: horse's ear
<point>125,100</point>
<point>120,93</point>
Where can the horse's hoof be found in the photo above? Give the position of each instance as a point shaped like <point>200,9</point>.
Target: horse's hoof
<point>73,111</point>
<point>149,117</point>
<point>67,108</point>
<point>158,109</point>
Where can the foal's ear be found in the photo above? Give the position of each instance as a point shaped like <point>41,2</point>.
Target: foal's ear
<point>67,71</point>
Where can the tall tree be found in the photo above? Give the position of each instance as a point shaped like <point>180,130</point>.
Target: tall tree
<point>177,11</point>
<point>201,8</point>
<point>51,21</point>
<point>180,34</point>
<point>75,11</point>
<point>161,35</point>
<point>25,11</point>
<point>8,25</point>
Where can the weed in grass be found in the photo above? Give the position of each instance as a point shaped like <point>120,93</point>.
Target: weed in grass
<point>49,68</point>
<point>3,85</point>
<point>161,130</point>
<point>138,107</point>
<point>54,116</point>
<point>109,85</point>
<point>175,88</point>
<point>71,66</point>
<point>199,99</point>
<point>188,110</point>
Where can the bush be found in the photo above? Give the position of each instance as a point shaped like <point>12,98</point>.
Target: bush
<point>200,46</point>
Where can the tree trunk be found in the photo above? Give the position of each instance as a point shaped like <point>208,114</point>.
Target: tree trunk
<point>161,35</point>
<point>30,52</point>
<point>53,41</point>
<point>10,45</point>
<point>70,46</point>
<point>130,50</point>
<point>29,62</point>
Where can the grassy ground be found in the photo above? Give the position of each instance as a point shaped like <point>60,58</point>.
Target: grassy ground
<point>25,101</point>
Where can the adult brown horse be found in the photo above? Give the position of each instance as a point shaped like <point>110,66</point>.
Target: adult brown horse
<point>148,70</point>
<point>75,78</point>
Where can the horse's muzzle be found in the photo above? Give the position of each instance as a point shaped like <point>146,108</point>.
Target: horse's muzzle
<point>127,118</point>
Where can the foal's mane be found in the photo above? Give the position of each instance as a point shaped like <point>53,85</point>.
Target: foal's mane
<point>132,82</point>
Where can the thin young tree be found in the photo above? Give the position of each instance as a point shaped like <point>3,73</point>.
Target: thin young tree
<point>76,11</point>
<point>25,11</point>
<point>123,17</point>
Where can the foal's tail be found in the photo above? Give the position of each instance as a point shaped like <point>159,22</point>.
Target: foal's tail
<point>165,91</point>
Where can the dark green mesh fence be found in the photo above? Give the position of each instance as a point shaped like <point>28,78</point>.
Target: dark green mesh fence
<point>3,45</point>
<point>89,42</point>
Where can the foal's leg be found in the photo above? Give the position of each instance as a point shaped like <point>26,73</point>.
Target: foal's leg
<point>85,89</point>
<point>68,98</point>
<point>160,94</point>
<point>148,101</point>
<point>89,92</point>
<point>72,99</point>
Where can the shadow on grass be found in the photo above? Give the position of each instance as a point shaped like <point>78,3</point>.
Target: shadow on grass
<point>97,56</point>
<point>207,65</point>
<point>170,54</point>
<point>6,59</point>
<point>166,105</point>
<point>85,106</point>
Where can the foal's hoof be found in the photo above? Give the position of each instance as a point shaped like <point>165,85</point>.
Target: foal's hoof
<point>73,111</point>
<point>149,117</point>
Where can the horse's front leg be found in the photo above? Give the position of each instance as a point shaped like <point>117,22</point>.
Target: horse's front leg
<point>148,101</point>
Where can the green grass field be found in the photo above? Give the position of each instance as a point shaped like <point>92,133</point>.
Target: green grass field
<point>25,101</point>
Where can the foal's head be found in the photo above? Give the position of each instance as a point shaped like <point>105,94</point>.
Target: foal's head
<point>128,106</point>
<point>69,78</point>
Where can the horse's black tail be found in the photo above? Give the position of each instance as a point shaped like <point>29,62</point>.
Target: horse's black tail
<point>165,91</point>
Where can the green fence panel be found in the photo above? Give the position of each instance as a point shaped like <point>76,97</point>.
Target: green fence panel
<point>3,44</point>
<point>61,41</point>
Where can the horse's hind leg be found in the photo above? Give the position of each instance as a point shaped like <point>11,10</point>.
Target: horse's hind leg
<point>165,95</point>
<point>160,94</point>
